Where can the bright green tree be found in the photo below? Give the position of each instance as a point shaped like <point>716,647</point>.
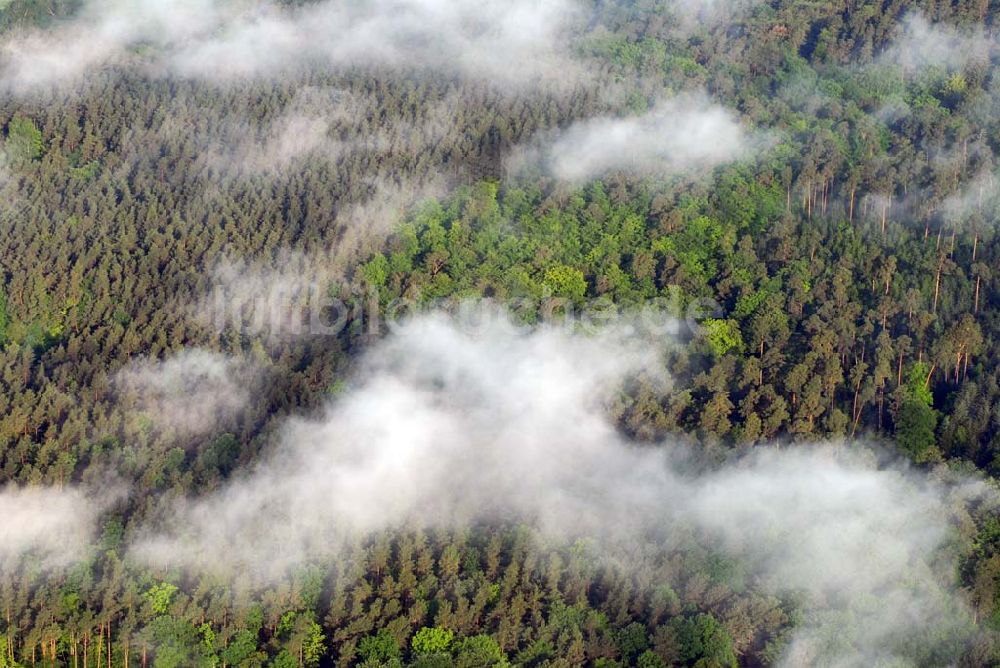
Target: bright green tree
<point>24,139</point>
<point>432,640</point>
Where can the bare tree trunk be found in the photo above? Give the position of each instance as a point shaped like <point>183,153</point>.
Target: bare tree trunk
<point>937,287</point>
<point>881,405</point>
<point>976,308</point>
<point>855,410</point>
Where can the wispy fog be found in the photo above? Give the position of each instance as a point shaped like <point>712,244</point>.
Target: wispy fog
<point>688,134</point>
<point>514,42</point>
<point>446,426</point>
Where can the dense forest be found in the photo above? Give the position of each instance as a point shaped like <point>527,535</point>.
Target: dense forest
<point>825,246</point>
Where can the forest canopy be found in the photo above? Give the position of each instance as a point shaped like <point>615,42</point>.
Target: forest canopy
<point>544,333</point>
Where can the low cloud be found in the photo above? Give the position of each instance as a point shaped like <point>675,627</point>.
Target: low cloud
<point>978,196</point>
<point>193,392</point>
<point>46,527</point>
<point>302,131</point>
<point>923,44</point>
<point>447,426</point>
<point>688,134</point>
<point>290,295</point>
<point>517,42</point>
<point>321,125</point>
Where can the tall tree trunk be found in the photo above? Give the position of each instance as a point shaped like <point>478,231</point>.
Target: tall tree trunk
<point>881,404</point>
<point>855,410</point>
<point>937,285</point>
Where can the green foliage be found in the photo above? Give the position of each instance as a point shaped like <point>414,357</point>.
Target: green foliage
<point>748,304</point>
<point>5,662</point>
<point>632,641</point>
<point>381,647</point>
<point>283,659</point>
<point>916,419</point>
<point>178,645</point>
<point>478,651</point>
<point>645,53</point>
<point>220,456</point>
<point>916,388</point>
<point>86,172</point>
<point>432,640</point>
<point>241,650</point>
<point>314,646</point>
<point>4,319</point>
<point>376,271</point>
<point>695,248</point>
<point>916,424</point>
<point>112,537</point>
<point>24,140</point>
<point>160,596</point>
<point>650,659</point>
<point>704,642</point>
<point>566,281</point>
<point>723,336</point>
<point>432,661</point>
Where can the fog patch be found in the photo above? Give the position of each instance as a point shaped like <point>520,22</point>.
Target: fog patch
<point>510,43</point>
<point>193,392</point>
<point>46,527</point>
<point>447,425</point>
<point>922,44</point>
<point>685,135</point>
